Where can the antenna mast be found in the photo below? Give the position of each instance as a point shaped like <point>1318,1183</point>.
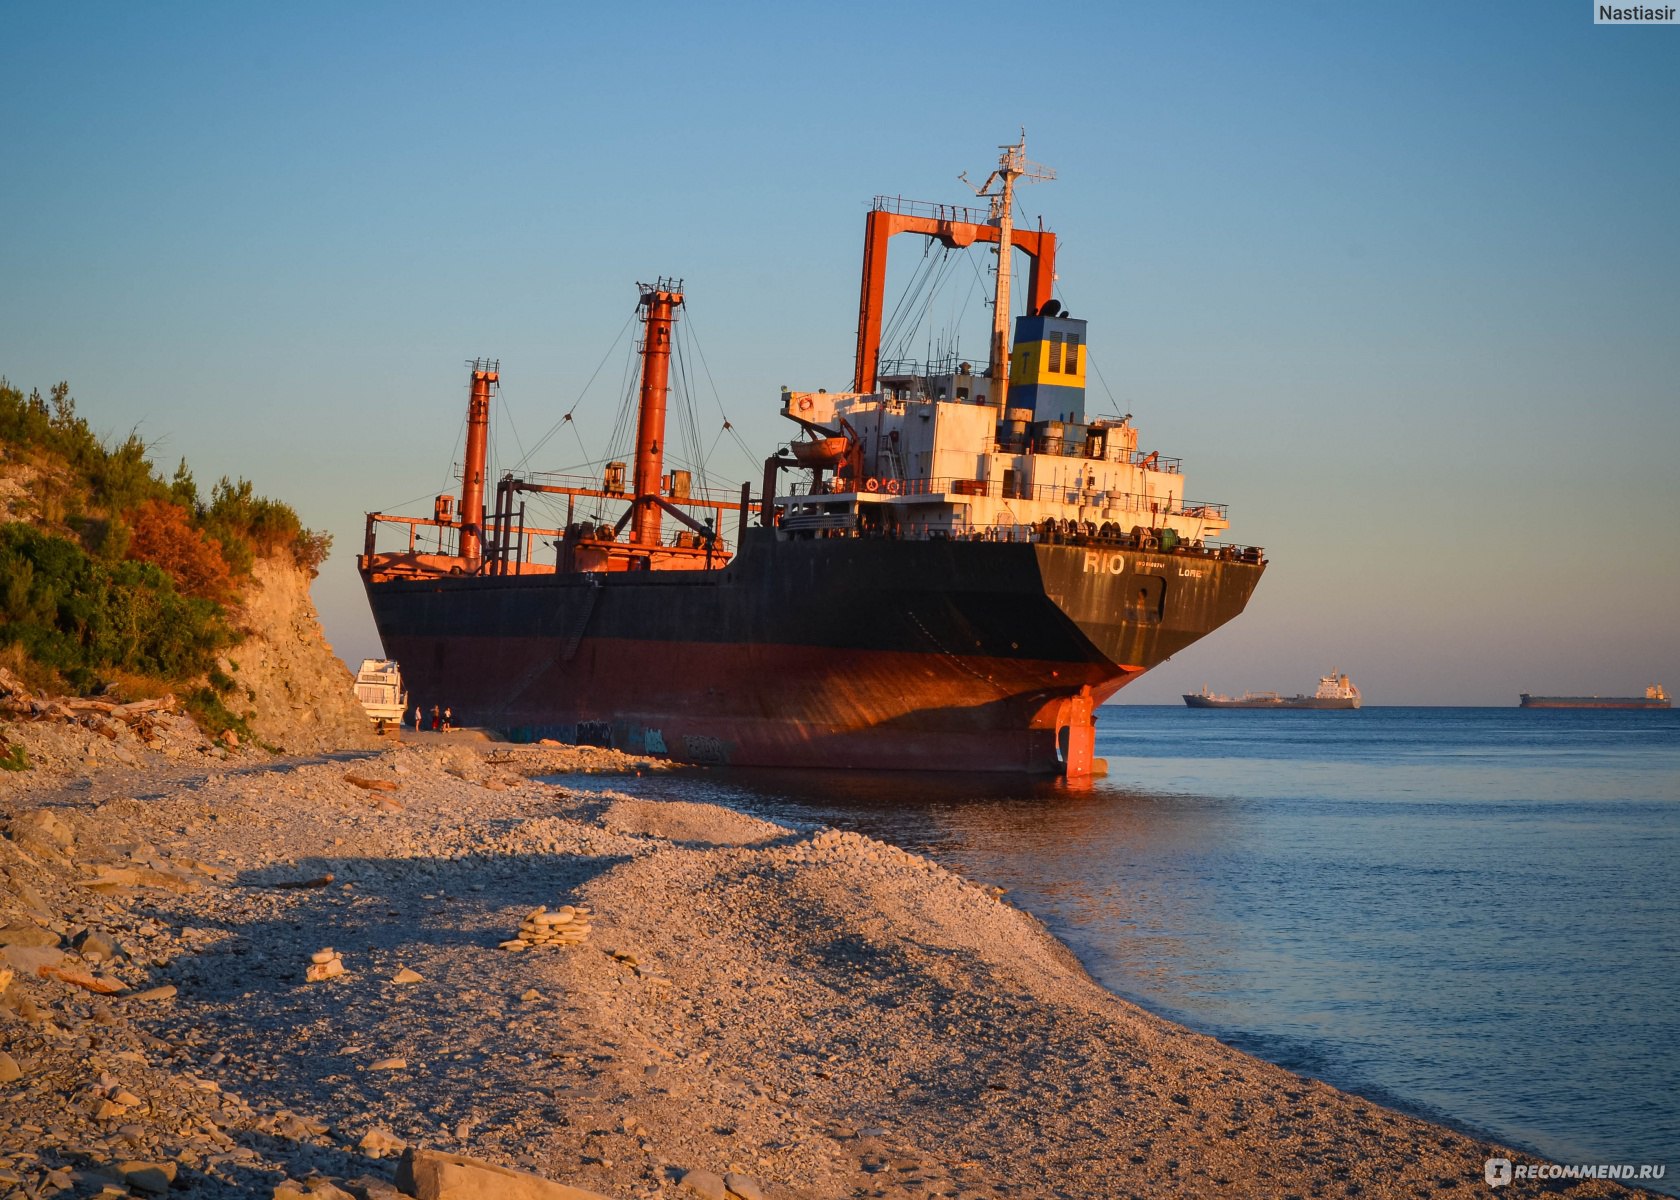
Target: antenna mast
<point>1012,165</point>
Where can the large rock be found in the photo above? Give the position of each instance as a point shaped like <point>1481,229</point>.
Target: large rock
<point>708,1185</point>
<point>433,1175</point>
<point>153,1178</point>
<point>305,698</point>
<point>41,830</point>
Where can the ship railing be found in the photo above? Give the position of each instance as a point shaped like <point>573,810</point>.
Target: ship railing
<point>1052,532</point>
<point>1137,503</point>
<point>938,212</point>
<point>699,496</point>
<point>509,549</point>
<point>1045,533</point>
<point>896,372</point>
<point>432,537</point>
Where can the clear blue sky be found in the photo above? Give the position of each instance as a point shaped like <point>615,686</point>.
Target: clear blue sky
<point>1397,281</point>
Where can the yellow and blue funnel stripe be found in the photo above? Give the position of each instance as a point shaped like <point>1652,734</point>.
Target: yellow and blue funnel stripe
<point>1047,368</point>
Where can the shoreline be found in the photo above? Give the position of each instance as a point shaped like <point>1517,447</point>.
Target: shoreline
<point>812,1013</point>
<point>1371,1093</point>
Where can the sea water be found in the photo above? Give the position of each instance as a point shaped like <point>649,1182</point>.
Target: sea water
<point>1469,914</point>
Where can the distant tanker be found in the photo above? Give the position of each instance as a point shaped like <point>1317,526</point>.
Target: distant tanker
<point>1334,692</point>
<point>1654,697</point>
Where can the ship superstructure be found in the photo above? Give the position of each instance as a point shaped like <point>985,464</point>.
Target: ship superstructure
<point>958,567</point>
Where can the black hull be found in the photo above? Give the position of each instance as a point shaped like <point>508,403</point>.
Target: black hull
<point>849,652</point>
<point>1615,702</point>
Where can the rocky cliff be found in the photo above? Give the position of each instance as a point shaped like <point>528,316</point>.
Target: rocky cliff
<point>303,696</point>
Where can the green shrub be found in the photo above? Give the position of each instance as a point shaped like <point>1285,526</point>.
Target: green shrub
<point>122,572</point>
<point>15,758</point>
<point>78,614</point>
<point>215,717</point>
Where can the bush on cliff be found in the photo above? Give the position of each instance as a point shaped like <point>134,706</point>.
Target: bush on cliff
<point>120,575</point>
<point>162,534</point>
<point>80,615</point>
<point>114,482</point>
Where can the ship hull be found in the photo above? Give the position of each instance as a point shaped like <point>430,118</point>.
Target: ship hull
<point>832,653</point>
<point>1618,702</point>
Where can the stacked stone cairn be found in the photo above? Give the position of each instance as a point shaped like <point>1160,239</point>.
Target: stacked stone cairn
<point>325,963</point>
<point>567,925</point>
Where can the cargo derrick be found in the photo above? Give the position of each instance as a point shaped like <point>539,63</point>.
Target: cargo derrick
<point>472,473</point>
<point>964,569</point>
<point>471,542</point>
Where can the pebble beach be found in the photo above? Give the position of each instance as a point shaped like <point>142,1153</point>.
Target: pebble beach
<point>227,973</point>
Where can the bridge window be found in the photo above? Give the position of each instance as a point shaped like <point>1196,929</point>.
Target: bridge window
<point>1072,367</point>
<point>1055,352</point>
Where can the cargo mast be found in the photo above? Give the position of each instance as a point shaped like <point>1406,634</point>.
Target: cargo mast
<point>1012,165</point>
<point>659,304</point>
<point>485,375</point>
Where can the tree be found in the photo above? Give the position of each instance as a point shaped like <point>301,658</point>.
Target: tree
<point>163,534</point>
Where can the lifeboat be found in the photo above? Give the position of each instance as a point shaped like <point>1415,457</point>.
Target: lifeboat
<point>823,453</point>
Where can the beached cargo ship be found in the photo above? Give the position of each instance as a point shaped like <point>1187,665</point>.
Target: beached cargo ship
<point>1334,692</point>
<point>962,565</point>
<point>1654,697</point>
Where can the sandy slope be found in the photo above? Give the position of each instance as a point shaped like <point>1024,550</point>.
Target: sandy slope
<point>826,1014</point>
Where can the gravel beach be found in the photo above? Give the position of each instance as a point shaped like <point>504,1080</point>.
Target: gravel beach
<point>629,997</point>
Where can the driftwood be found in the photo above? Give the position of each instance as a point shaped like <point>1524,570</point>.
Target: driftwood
<point>81,979</point>
<point>373,785</point>
<point>17,700</point>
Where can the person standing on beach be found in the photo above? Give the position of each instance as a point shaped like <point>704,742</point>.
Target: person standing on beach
<point>437,719</point>
<point>449,718</point>
<point>419,716</point>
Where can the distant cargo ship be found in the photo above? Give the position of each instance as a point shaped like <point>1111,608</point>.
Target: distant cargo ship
<point>1334,691</point>
<point>1654,697</point>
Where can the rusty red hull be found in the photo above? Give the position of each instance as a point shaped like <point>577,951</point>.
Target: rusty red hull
<point>775,705</point>
<point>847,653</point>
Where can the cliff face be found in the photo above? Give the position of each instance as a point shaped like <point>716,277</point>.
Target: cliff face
<point>304,697</point>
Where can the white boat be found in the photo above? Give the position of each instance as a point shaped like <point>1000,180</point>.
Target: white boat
<point>379,688</point>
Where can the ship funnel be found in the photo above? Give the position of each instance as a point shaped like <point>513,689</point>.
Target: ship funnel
<point>485,376</point>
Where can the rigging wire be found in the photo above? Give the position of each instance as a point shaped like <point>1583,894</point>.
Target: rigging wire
<point>909,298</point>
<point>687,419</point>
<point>504,412</point>
<point>1090,359</point>
<point>621,434</point>
<point>728,425</point>
<point>567,418</point>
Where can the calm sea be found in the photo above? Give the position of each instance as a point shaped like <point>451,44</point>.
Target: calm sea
<point>1471,914</point>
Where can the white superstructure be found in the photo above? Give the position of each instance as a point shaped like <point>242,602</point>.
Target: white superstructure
<point>934,458</point>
